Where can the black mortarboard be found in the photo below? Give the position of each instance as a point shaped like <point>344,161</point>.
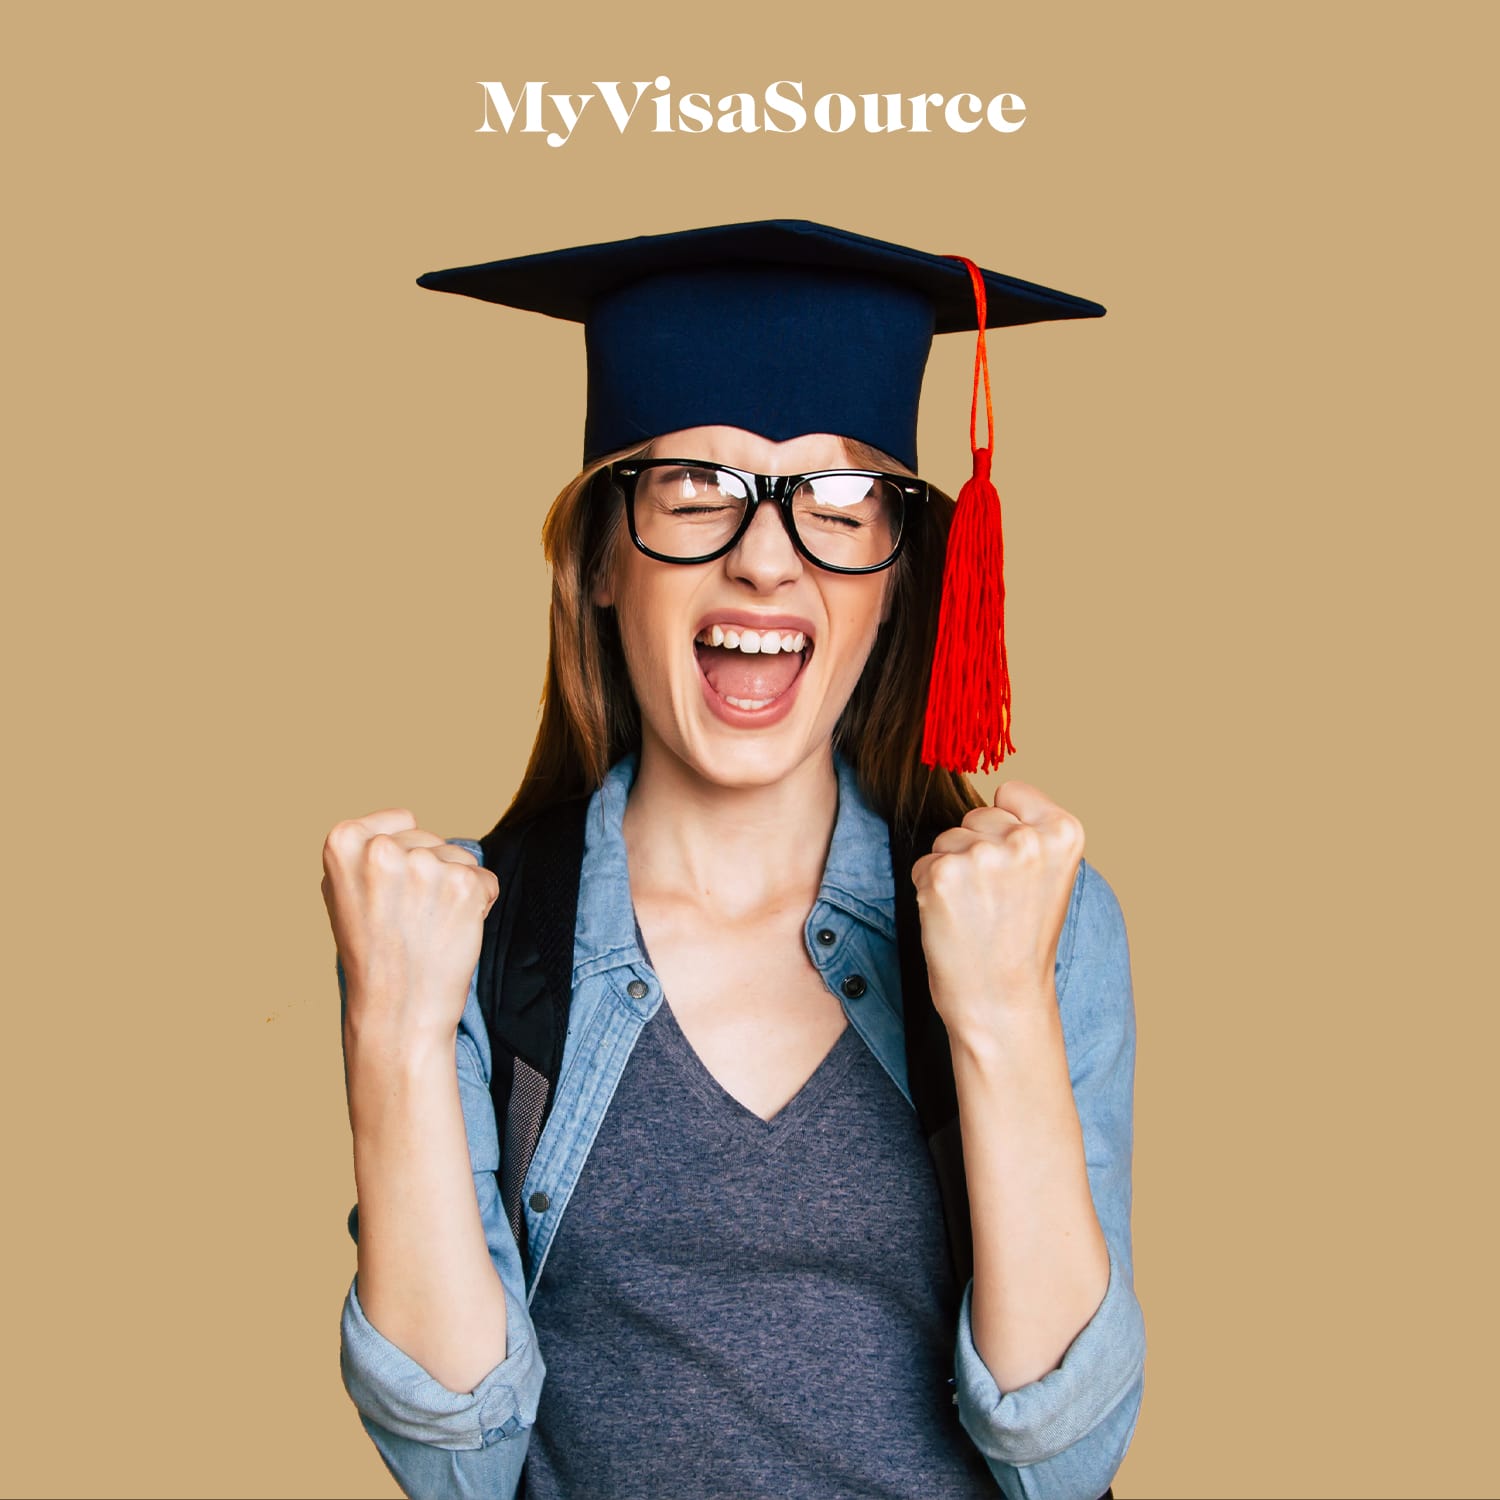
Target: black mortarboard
<point>784,327</point>
<point>781,327</point>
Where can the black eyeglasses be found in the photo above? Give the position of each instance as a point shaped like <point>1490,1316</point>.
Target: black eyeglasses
<point>685,510</point>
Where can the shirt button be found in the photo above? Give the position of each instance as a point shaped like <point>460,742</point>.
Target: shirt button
<point>854,986</point>
<point>636,989</point>
<point>826,935</point>
<point>539,1202</point>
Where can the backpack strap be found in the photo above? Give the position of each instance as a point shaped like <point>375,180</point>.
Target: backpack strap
<point>929,1062</point>
<point>527,958</point>
<point>526,982</point>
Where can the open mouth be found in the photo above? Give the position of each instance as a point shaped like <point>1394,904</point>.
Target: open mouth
<point>751,670</point>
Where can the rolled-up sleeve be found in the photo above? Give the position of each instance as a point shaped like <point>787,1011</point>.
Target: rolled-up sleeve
<point>438,1442</point>
<point>1064,1436</point>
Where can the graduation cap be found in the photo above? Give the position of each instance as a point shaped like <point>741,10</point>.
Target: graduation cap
<point>785,327</point>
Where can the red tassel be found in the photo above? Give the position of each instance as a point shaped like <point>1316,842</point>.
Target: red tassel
<point>968,698</point>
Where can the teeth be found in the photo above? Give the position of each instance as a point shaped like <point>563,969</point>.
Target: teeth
<point>753,642</point>
<point>748,702</point>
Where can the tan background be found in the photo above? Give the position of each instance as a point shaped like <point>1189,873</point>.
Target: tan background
<point>272,560</point>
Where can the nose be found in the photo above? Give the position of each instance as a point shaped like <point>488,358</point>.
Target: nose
<point>765,556</point>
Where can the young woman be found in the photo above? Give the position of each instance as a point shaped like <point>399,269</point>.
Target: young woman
<point>751,1291</point>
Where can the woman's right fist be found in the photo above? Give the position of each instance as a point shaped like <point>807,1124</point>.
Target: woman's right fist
<point>407,911</point>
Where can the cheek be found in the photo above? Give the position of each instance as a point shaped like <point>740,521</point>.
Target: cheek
<point>859,617</point>
<point>637,645</point>
<point>650,621</point>
<point>856,635</point>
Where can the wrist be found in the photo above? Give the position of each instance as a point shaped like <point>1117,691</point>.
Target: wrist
<point>1025,1020</point>
<point>395,1085</point>
<point>390,1046</point>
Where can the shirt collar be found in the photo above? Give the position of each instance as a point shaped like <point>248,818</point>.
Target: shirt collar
<point>856,876</point>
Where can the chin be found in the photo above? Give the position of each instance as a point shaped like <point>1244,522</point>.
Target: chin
<point>742,766</point>
<point>741,760</point>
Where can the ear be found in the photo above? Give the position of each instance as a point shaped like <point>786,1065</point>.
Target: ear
<point>602,591</point>
<point>602,587</point>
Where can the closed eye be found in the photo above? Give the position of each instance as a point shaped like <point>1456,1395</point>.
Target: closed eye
<point>836,519</point>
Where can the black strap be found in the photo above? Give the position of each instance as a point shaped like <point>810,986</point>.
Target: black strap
<point>529,932</point>
<point>527,958</point>
<point>929,1063</point>
<point>527,955</point>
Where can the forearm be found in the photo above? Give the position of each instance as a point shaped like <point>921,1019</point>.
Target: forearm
<point>1041,1263</point>
<point>426,1281</point>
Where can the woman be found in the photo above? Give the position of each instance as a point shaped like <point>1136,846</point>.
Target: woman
<point>751,1291</point>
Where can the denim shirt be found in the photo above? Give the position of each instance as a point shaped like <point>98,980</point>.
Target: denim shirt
<point>1061,1437</point>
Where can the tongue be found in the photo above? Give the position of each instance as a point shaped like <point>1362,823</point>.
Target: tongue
<point>733,674</point>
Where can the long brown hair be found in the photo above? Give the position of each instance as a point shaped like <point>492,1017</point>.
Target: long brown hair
<point>589,713</point>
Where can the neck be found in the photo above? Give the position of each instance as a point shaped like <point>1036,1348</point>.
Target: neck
<point>738,850</point>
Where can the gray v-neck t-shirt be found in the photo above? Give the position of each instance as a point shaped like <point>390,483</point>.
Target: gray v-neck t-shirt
<point>743,1308</point>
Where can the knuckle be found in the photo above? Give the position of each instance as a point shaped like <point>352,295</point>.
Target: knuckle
<point>458,884</point>
<point>1027,842</point>
<point>343,838</point>
<point>382,851</point>
<point>990,857</point>
<point>1068,832</point>
<point>425,860</point>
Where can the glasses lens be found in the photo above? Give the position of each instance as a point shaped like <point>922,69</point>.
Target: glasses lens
<point>686,511</point>
<point>852,520</point>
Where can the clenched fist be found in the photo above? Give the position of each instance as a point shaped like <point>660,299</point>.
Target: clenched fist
<point>407,911</point>
<point>993,896</point>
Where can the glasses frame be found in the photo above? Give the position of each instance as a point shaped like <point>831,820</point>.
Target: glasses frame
<point>776,488</point>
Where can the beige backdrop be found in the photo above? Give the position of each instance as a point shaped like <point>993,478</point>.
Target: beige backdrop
<point>273,560</point>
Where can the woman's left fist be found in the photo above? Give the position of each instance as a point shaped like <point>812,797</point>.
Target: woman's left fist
<point>993,895</point>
